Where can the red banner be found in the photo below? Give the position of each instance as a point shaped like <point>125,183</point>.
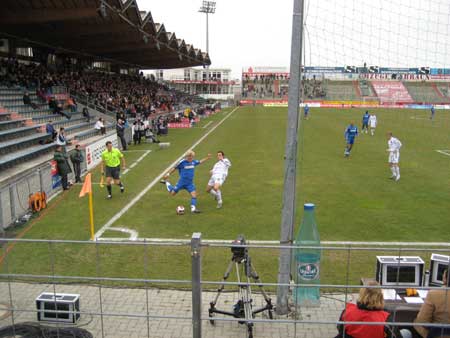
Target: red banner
<point>391,91</point>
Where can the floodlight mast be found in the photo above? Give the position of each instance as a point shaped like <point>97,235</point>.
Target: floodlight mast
<point>208,7</point>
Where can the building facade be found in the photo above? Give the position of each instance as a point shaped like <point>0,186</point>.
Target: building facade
<point>212,83</point>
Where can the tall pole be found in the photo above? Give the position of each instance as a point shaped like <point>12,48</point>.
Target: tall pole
<point>207,51</point>
<point>208,7</point>
<point>207,33</point>
<point>290,163</point>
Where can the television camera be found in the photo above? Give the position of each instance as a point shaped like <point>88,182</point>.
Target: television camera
<point>244,272</point>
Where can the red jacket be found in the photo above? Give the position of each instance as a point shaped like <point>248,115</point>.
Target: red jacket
<point>354,314</point>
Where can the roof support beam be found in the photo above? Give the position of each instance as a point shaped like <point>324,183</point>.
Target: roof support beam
<point>46,15</point>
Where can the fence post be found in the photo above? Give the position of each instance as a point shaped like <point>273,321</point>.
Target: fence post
<point>196,285</point>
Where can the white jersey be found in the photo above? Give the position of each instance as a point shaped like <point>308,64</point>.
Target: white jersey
<point>372,121</point>
<point>221,167</point>
<point>219,172</point>
<point>394,146</point>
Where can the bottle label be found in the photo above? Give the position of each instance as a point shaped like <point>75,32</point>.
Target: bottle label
<point>308,271</point>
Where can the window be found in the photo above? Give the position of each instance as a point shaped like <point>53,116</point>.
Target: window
<point>187,75</point>
<point>25,51</point>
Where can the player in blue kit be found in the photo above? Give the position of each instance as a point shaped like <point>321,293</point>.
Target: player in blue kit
<point>306,111</point>
<point>350,133</point>
<point>432,113</point>
<point>365,122</point>
<point>186,169</point>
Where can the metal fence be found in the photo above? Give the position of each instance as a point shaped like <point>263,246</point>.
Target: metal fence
<point>170,288</point>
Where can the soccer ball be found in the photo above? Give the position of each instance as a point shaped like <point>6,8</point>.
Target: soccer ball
<point>180,210</point>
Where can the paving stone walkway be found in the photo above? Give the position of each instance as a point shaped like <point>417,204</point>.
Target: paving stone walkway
<point>122,312</point>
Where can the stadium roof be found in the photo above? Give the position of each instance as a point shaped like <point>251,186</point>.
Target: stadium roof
<point>112,30</point>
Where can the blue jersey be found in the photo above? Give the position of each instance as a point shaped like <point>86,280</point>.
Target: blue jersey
<point>432,110</point>
<point>351,132</point>
<point>306,109</point>
<point>366,118</point>
<point>186,170</point>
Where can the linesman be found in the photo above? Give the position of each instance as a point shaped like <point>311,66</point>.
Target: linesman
<point>112,158</point>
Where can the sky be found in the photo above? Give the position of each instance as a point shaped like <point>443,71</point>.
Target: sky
<point>257,33</point>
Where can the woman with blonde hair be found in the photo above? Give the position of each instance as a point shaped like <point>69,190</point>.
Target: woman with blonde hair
<point>368,308</point>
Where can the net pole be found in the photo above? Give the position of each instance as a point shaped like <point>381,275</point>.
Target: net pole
<point>289,191</point>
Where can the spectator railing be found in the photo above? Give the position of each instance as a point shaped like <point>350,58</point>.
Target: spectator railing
<point>342,266</point>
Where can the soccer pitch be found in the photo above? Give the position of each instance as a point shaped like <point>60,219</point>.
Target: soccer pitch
<point>355,200</point>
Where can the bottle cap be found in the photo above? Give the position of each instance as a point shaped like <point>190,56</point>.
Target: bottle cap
<point>309,206</point>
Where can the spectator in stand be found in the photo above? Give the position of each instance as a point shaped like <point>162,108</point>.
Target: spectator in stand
<point>120,128</point>
<point>27,101</point>
<point>71,103</point>
<point>100,126</point>
<point>52,104</point>
<point>121,116</point>
<point>41,95</point>
<point>51,130</point>
<point>86,114</point>
<point>62,164</point>
<point>59,110</point>
<point>77,158</point>
<point>138,131</point>
<point>61,139</point>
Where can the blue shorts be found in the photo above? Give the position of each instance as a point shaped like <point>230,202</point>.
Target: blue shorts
<point>189,186</point>
<point>350,140</point>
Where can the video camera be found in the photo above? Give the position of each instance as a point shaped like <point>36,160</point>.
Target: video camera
<point>238,249</point>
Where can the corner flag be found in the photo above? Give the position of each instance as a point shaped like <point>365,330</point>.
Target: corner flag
<point>87,189</point>
<point>87,186</point>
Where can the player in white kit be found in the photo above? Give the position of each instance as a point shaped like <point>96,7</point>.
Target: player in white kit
<point>372,123</point>
<point>394,146</point>
<point>219,174</point>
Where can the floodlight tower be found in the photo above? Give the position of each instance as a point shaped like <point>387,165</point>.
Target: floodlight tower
<point>208,7</point>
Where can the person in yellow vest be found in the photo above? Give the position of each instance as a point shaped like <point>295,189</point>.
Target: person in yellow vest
<point>112,159</point>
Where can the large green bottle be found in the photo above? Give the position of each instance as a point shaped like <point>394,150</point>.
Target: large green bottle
<point>307,260</point>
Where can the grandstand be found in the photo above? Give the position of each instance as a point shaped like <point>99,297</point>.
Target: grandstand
<point>425,92</point>
<point>91,51</point>
<point>325,84</point>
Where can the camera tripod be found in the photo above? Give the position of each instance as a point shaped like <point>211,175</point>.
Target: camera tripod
<point>244,307</point>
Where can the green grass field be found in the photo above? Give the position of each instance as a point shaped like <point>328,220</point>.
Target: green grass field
<point>355,199</point>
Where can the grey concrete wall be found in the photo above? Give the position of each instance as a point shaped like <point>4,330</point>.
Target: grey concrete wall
<point>15,192</point>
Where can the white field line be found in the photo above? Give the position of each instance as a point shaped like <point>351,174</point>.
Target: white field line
<point>136,162</point>
<point>133,234</point>
<point>256,242</point>
<point>444,152</point>
<point>419,118</point>
<point>206,125</point>
<point>134,151</point>
<point>100,232</point>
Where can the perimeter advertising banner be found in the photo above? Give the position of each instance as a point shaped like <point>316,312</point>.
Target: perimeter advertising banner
<point>93,152</point>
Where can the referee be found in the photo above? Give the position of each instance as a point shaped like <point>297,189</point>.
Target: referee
<point>111,158</point>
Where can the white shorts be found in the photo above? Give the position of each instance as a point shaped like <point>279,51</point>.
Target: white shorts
<point>217,179</point>
<point>394,157</point>
<point>372,125</point>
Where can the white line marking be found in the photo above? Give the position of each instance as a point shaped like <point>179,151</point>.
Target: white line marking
<point>256,242</point>
<point>156,180</point>
<point>206,125</point>
<point>135,151</point>
<point>136,162</point>
<point>133,234</point>
<point>444,152</point>
<point>419,118</point>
